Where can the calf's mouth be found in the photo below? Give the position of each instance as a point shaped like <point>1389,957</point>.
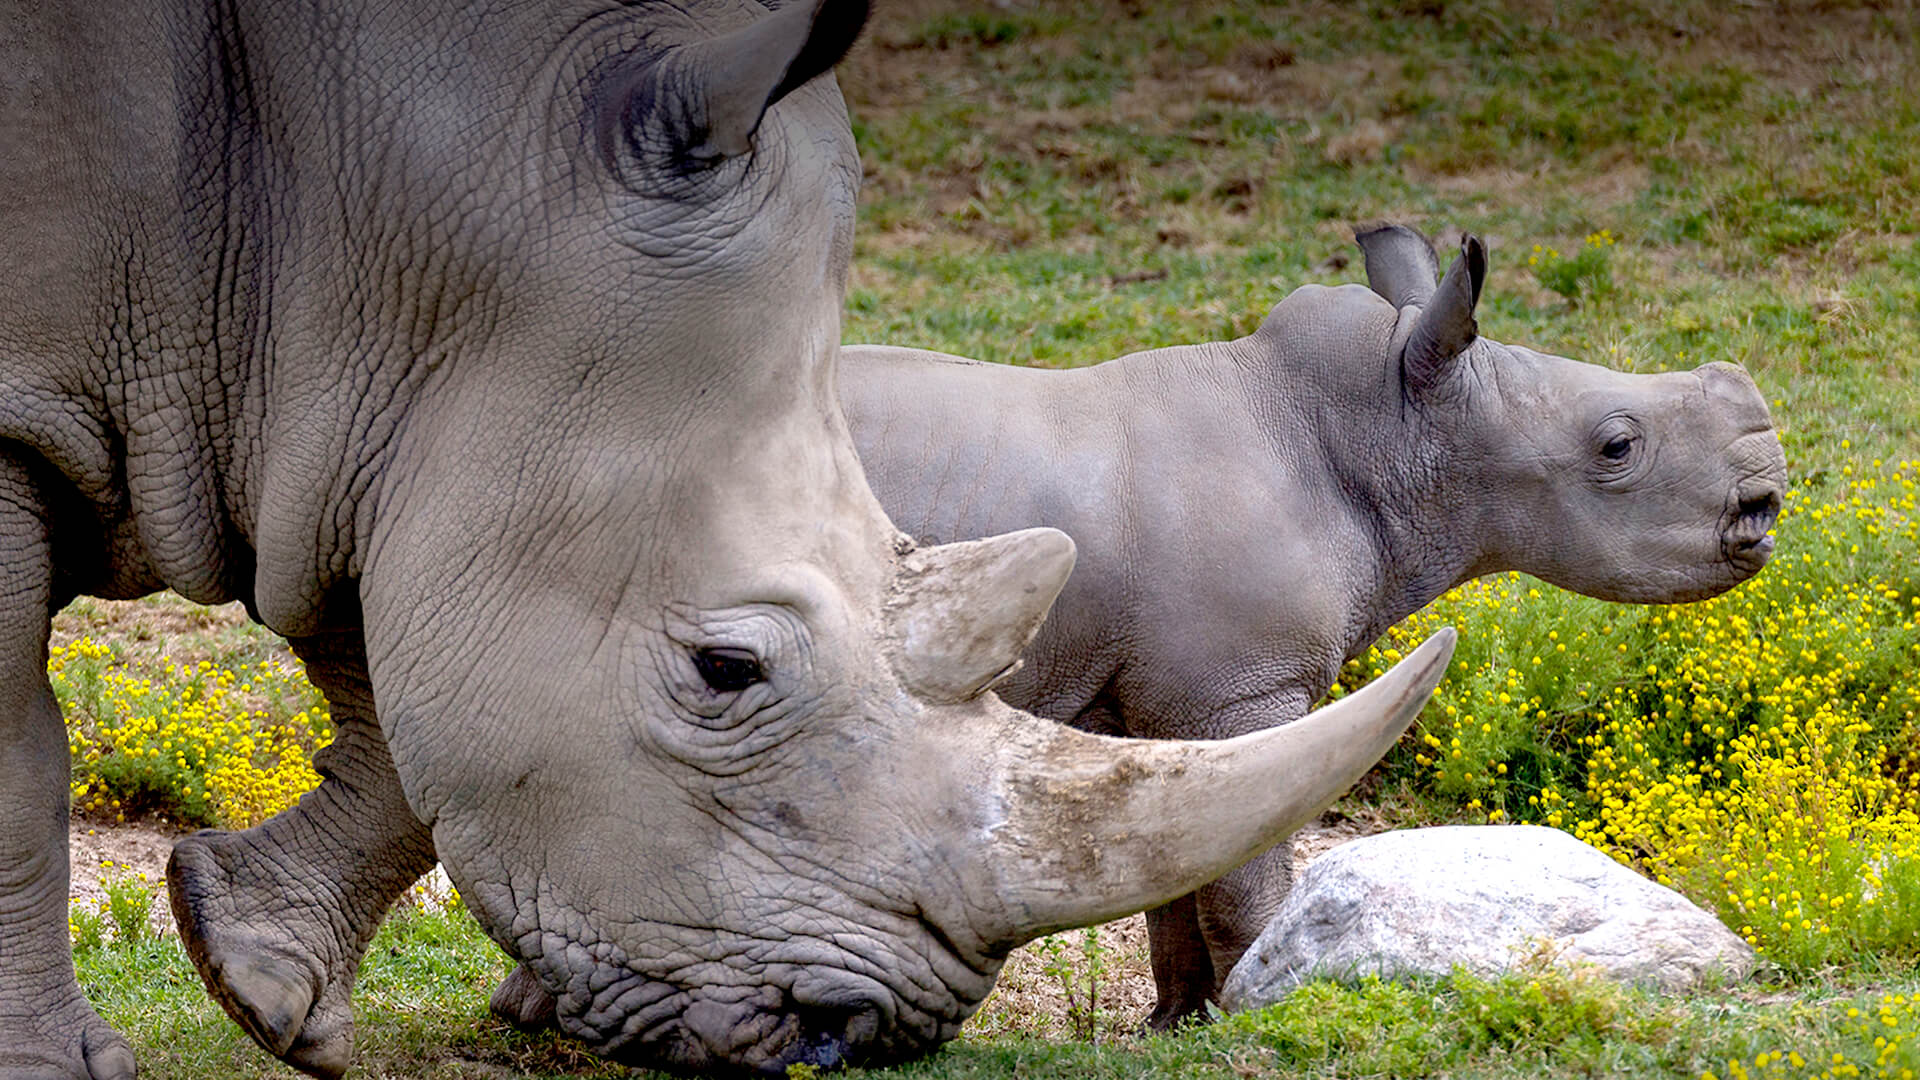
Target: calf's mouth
<point>1745,542</point>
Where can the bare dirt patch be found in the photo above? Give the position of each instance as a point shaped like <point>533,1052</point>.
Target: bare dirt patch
<point>98,852</point>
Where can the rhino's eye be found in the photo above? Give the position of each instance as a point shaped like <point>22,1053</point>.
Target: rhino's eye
<point>727,671</point>
<point>1616,448</point>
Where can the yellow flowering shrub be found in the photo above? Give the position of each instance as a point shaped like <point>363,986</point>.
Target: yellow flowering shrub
<point>198,744</point>
<point>1754,750</point>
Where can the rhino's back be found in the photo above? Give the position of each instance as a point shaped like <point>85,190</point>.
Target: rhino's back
<point>1214,571</point>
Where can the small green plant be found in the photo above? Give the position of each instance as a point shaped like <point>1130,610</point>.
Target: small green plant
<point>87,926</point>
<point>128,906</point>
<point>123,915</point>
<point>1585,273</point>
<point>1079,973</point>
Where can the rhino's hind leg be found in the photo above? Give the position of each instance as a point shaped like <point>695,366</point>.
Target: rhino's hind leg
<point>277,917</point>
<point>47,1029</point>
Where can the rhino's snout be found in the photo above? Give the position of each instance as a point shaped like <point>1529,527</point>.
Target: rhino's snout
<point>1746,543</point>
<point>746,1038</point>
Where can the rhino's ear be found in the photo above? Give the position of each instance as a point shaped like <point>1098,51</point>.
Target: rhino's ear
<point>753,68</point>
<point>1446,324</point>
<point>708,99</point>
<point>961,614</point>
<point>1400,263</point>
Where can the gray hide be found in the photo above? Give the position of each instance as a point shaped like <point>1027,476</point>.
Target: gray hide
<point>1252,513</point>
<point>486,352</point>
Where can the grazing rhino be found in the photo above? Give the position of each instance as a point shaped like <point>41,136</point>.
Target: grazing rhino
<point>486,352</point>
<point>1252,513</point>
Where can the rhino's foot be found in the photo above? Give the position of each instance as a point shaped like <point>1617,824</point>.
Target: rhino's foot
<point>67,1042</point>
<point>1170,1014</point>
<point>268,947</point>
<point>520,1000</point>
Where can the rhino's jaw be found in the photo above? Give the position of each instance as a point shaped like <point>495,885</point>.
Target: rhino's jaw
<point>763,1030</point>
<point>755,1004</point>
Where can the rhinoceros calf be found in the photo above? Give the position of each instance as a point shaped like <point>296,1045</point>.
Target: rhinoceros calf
<point>1252,513</point>
<point>486,352</point>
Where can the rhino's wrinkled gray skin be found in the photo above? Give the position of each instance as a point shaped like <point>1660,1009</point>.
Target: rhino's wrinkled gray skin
<point>486,352</point>
<point>1252,513</point>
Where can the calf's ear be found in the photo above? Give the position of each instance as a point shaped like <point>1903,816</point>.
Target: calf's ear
<point>1446,325</point>
<point>1400,263</point>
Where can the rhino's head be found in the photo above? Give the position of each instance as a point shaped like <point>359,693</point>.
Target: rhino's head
<point>699,735</point>
<point>1649,488</point>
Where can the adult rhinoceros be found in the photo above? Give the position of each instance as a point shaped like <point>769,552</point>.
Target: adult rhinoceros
<point>485,351</point>
<point>1251,513</point>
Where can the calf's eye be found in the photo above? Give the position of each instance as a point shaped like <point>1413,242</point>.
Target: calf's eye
<point>1617,448</point>
<point>727,671</point>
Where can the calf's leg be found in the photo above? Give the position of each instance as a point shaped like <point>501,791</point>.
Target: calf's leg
<point>1195,941</point>
<point>277,917</point>
<point>47,1029</point>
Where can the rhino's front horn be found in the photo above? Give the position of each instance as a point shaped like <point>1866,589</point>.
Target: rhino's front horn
<point>960,614</point>
<point>1095,827</point>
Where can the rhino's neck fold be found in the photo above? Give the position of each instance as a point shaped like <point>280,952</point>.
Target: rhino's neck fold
<point>1416,530</point>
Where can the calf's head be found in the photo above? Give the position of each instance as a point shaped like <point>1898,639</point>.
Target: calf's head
<point>1650,488</point>
<point>701,737</point>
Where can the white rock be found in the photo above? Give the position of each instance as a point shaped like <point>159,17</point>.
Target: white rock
<point>1483,897</point>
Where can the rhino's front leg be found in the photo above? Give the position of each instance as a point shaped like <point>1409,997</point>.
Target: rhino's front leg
<point>1195,941</point>
<point>47,1029</point>
<point>277,917</point>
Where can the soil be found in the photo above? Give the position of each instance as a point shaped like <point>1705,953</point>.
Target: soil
<point>98,851</point>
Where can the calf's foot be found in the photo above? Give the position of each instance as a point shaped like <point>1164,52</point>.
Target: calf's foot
<point>1182,967</point>
<point>1196,940</point>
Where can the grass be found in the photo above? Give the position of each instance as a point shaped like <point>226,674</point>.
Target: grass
<point>421,1012</point>
<point>1057,183</point>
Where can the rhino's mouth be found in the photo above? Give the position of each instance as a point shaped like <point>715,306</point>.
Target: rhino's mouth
<point>749,1030</point>
<point>760,1032</point>
<point>760,1006</point>
<point>1744,543</point>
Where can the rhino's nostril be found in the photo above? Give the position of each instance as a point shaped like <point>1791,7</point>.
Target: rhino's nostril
<point>1764,505</point>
